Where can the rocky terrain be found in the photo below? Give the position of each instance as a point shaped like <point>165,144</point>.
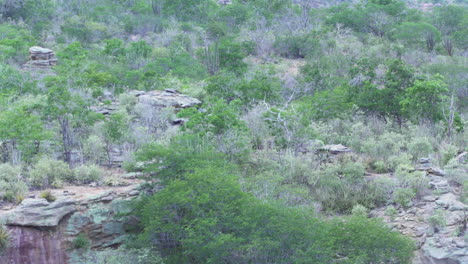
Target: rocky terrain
<point>437,221</point>
<point>43,232</point>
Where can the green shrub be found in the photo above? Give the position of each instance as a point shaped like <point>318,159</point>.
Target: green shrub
<point>403,159</point>
<point>416,180</point>
<point>448,152</point>
<point>85,174</point>
<point>94,149</point>
<point>48,196</point>
<point>379,166</point>
<point>404,196</point>
<point>391,212</point>
<point>420,147</point>
<point>359,210</point>
<point>4,238</point>
<point>361,240</point>
<point>340,187</point>
<point>12,187</point>
<point>81,242</point>
<point>299,46</point>
<point>438,219</point>
<point>48,172</point>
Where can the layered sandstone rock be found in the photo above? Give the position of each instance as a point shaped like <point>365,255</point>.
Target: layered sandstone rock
<point>41,58</point>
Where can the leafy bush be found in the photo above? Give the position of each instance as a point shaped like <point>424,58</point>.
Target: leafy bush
<point>12,186</point>
<point>420,147</point>
<point>81,242</point>
<point>48,172</point>
<point>404,196</point>
<point>230,222</point>
<point>341,187</point>
<point>359,210</point>
<point>391,212</point>
<point>299,46</point>
<point>85,174</point>
<point>438,220</point>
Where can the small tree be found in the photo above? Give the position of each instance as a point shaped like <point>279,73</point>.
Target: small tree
<point>424,100</point>
<point>114,130</point>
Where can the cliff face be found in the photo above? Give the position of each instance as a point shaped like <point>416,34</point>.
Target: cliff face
<point>43,232</point>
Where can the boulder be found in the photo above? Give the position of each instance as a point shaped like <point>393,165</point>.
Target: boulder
<point>40,213</point>
<point>451,202</point>
<point>335,149</point>
<point>166,98</point>
<point>41,58</point>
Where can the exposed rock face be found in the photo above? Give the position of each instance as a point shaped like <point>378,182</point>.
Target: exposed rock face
<point>40,213</point>
<point>166,98</point>
<point>224,2</point>
<point>42,232</point>
<point>155,99</point>
<point>335,149</point>
<point>41,58</point>
<point>30,245</point>
<point>437,222</point>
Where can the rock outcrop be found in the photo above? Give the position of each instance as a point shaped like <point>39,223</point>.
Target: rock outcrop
<point>42,232</point>
<point>335,149</point>
<point>41,58</point>
<point>154,99</point>
<point>166,98</point>
<point>437,222</point>
<point>40,213</point>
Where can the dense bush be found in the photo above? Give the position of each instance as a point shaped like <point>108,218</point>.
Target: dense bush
<point>12,186</point>
<point>87,173</point>
<point>204,216</point>
<point>48,172</point>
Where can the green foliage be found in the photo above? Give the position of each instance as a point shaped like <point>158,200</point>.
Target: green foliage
<point>21,126</point>
<point>341,187</point>
<point>13,81</point>
<point>368,93</point>
<point>12,186</point>
<point>4,238</point>
<point>425,99</point>
<point>48,195</point>
<point>391,212</point>
<point>261,86</point>
<point>420,147</point>
<point>403,196</point>
<point>217,117</point>
<point>87,173</point>
<point>438,219</point>
<point>81,242</point>
<point>325,105</point>
<point>48,172</point>
<point>418,33</point>
<point>15,42</point>
<point>359,210</point>
<point>362,240</point>
<point>299,46</point>
<point>205,217</point>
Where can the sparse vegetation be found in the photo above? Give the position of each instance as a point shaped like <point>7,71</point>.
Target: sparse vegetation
<point>48,195</point>
<point>248,175</point>
<point>81,242</point>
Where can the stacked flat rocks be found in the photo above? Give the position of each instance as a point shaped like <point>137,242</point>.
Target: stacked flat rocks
<point>41,58</point>
<point>224,2</point>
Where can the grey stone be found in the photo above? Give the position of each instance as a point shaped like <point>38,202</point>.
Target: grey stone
<point>335,149</point>
<point>40,213</point>
<point>429,198</point>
